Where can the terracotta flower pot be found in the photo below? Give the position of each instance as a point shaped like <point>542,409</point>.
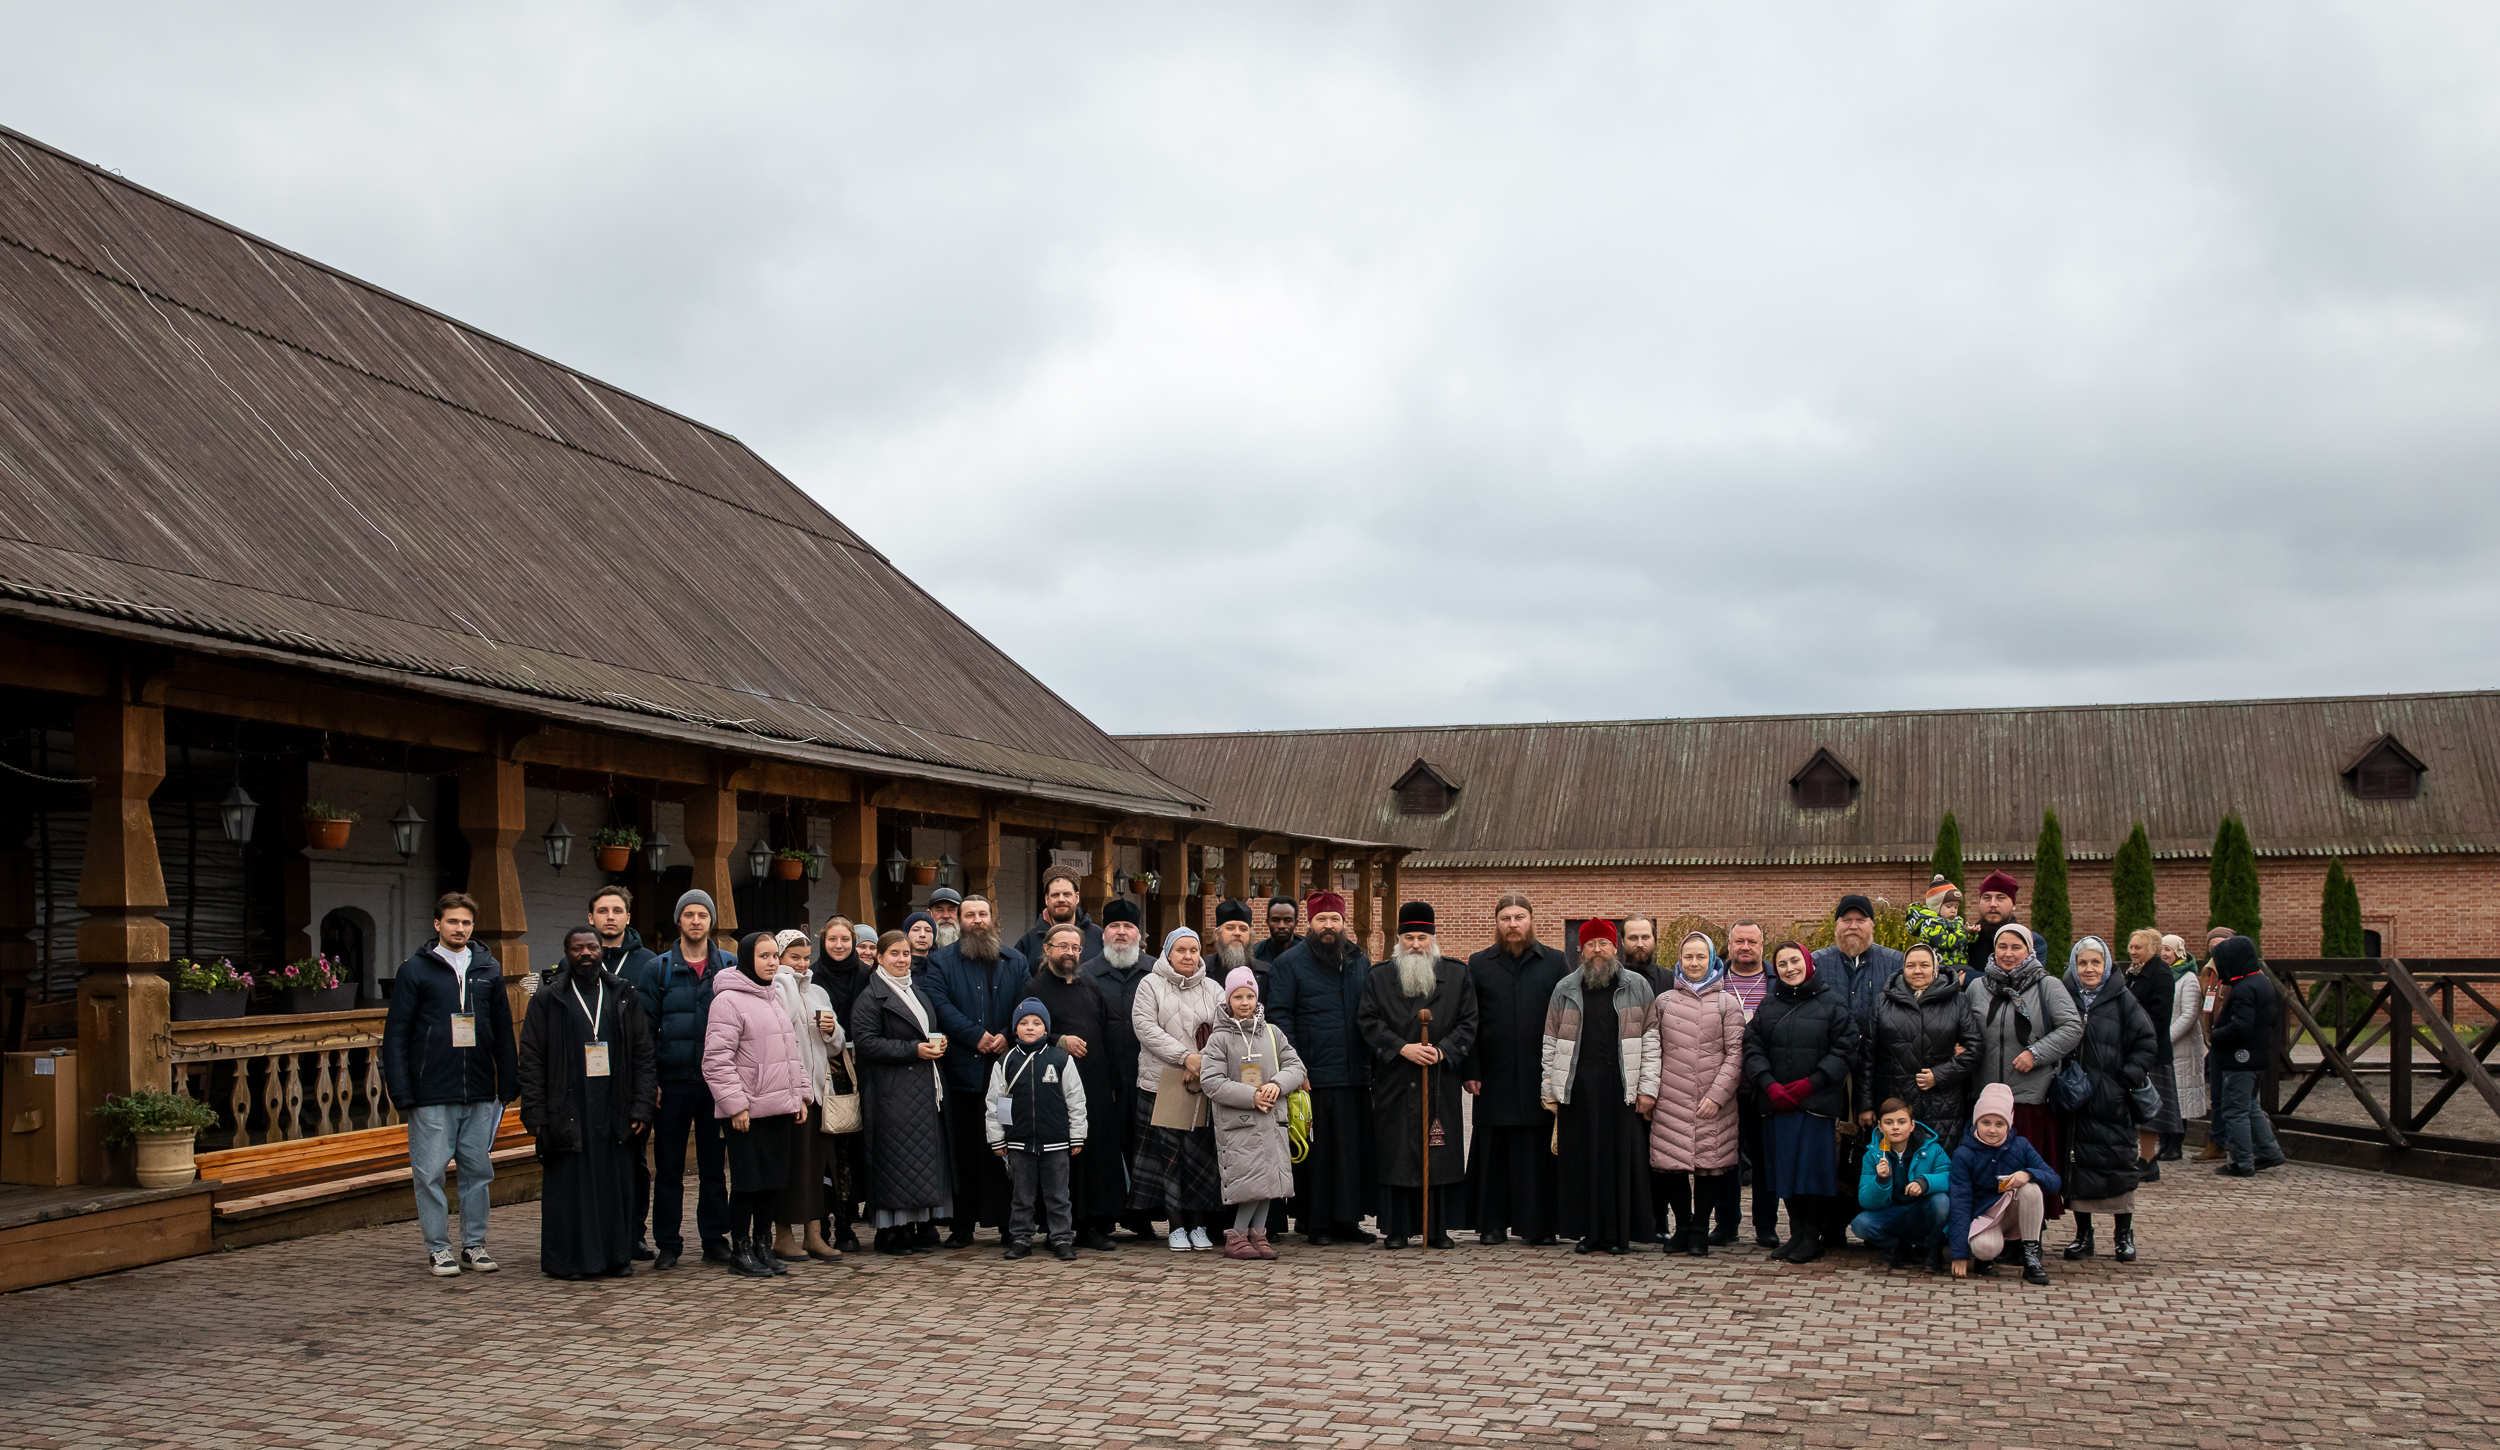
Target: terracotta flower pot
<point>924,875</point>
<point>211,1006</point>
<point>614,859</point>
<point>788,869</point>
<point>327,835</point>
<point>165,1158</point>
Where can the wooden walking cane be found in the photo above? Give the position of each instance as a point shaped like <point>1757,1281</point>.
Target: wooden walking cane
<point>1426,1015</point>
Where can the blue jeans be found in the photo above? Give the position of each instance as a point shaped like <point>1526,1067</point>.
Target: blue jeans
<point>2245,1131</point>
<point>437,1133</point>
<point>1917,1225</point>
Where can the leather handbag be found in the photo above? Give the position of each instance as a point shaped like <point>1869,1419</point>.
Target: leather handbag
<point>841,1103</point>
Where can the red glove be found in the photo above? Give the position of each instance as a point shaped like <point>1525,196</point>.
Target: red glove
<point>1787,1097</point>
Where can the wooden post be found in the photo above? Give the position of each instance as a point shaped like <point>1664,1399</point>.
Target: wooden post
<point>1173,890</point>
<point>1095,893</point>
<point>125,1006</point>
<point>1393,889</point>
<point>711,835</point>
<point>1237,875</point>
<point>1289,871</point>
<point>855,855</point>
<point>18,917</point>
<point>493,815</point>
<point>980,858</point>
<point>294,866</point>
<point>1365,886</point>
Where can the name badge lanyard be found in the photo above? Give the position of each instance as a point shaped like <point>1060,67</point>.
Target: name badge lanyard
<point>463,1026</point>
<point>594,1052</point>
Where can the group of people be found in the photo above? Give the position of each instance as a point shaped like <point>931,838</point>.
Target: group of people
<point>1939,1104</point>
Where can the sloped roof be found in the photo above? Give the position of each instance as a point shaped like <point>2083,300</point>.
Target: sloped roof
<point>206,433</point>
<point>1715,790</point>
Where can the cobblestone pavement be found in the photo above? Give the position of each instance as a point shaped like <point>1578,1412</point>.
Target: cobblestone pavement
<point>2306,1307</point>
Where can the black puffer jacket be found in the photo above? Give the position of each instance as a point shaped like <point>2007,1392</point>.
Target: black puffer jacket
<point>904,1127</point>
<point>1917,1031</point>
<point>1804,1031</point>
<point>2117,1052</point>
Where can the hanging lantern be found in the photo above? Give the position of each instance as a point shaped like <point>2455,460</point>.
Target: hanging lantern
<point>559,839</point>
<point>407,830</point>
<point>1119,883</point>
<point>1194,885</point>
<point>896,863</point>
<point>759,858</point>
<point>235,813</point>
<point>946,870</point>
<point>815,864</point>
<point>655,851</point>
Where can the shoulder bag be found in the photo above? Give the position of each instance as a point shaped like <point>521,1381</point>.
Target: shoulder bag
<point>841,1112</point>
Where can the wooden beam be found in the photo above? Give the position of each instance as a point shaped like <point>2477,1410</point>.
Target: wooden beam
<point>626,755</point>
<point>854,854</point>
<point>937,800</point>
<point>218,687</point>
<point>980,858</point>
<point>34,661</point>
<point>1057,823</point>
<point>1273,845</point>
<point>711,836</point>
<point>806,782</point>
<point>1216,836</point>
<point>493,815</point>
<point>124,1002</point>
<point>1095,890</point>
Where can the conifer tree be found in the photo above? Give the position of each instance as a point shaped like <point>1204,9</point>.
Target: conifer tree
<point>2339,914</point>
<point>2131,882</point>
<point>2052,916</point>
<point>1947,861</point>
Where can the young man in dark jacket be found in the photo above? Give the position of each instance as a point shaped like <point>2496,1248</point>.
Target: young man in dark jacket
<point>448,1057</point>
<point>2242,1035</point>
<point>676,992</point>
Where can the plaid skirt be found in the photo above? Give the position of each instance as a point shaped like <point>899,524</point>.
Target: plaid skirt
<point>1172,1170</point>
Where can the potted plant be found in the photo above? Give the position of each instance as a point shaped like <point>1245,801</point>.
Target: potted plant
<point>166,1126</point>
<point>204,993</point>
<point>312,985</point>
<point>791,862</point>
<point>924,873</point>
<point>325,825</point>
<point>616,846</point>
<point>1145,883</point>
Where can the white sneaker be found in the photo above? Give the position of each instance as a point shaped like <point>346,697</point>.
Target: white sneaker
<point>444,1263</point>
<point>1198,1239</point>
<point>1180,1241</point>
<point>477,1259</point>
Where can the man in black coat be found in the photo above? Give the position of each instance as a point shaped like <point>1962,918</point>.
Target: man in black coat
<point>972,987</point>
<point>589,1089</point>
<point>1231,946</point>
<point>1281,937</point>
<point>1640,953</point>
<point>1097,1183</point>
<point>1114,970</point>
<point>1062,904</point>
<point>1315,999</point>
<point>1510,1180</point>
<point>2242,1036</point>
<point>1419,1133</point>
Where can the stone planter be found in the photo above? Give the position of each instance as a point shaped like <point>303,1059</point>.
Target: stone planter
<point>326,835</point>
<point>296,1000</point>
<point>165,1158</point>
<point>210,1006</point>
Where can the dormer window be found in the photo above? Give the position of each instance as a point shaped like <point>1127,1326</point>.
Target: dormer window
<point>2385,771</point>
<point>1823,784</point>
<point>1424,790</point>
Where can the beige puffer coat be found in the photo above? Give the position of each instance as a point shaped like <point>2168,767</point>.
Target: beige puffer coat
<point>1701,1058</point>
<point>1167,1014</point>
<point>1252,1151</point>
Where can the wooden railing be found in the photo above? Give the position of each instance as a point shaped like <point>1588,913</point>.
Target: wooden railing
<point>306,1076</point>
<point>2345,1009</point>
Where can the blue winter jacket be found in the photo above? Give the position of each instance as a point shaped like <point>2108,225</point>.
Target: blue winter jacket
<point>1861,982</point>
<point>677,1002</point>
<point>1976,1169</point>
<point>1925,1161</point>
<point>1314,1007</point>
<point>966,1000</point>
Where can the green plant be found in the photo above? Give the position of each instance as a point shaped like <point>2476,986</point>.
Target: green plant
<point>2052,912</point>
<point>1947,861</point>
<point>625,836</point>
<point>126,1116</point>
<point>786,853</point>
<point>2131,882</point>
<point>191,976</point>
<point>321,810</point>
<point>2231,893</point>
<point>311,974</point>
<point>2339,914</point>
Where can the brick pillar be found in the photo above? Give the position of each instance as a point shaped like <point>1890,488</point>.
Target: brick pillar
<point>493,818</point>
<point>124,1003</point>
<point>854,853</point>
<point>711,835</point>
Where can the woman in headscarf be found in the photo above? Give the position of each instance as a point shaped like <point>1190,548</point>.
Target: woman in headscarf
<point>758,1082</point>
<point>841,968</point>
<point>2027,1026</point>
<point>2101,1168</point>
<point>1798,1052</point>
<point>799,1224</point>
<point>909,1183</point>
<point>1701,1060</point>
<point>1173,1172</point>
<point>2187,1049</point>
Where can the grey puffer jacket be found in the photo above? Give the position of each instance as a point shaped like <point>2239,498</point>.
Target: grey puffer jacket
<point>1252,1152</point>
<point>2027,1010</point>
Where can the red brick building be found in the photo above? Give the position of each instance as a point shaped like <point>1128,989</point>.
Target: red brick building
<point>1775,816</point>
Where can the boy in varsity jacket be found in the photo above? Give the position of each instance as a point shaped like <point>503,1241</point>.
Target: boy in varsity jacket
<point>1037,1123</point>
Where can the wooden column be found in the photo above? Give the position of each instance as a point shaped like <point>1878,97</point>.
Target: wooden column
<point>1395,892</point>
<point>294,866</point>
<point>711,835</point>
<point>1363,914</point>
<point>855,857</point>
<point>1289,871</point>
<point>124,1003</point>
<point>980,859</point>
<point>1096,892</point>
<point>1237,874</point>
<point>493,817</point>
<point>18,917</point>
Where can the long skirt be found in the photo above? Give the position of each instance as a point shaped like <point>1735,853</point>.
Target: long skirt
<point>1805,1158</point>
<point>803,1197</point>
<point>2166,1078</point>
<point>1172,1170</point>
<point>2039,1122</point>
<point>1333,1182</point>
<point>1510,1181</point>
<point>1402,1209</point>
<point>585,1208</point>
<point>981,1195</point>
<point>759,1158</point>
<point>2123,1203</point>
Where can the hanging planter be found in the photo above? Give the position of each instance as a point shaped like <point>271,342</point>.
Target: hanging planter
<point>790,863</point>
<point>616,846</point>
<point>326,825</point>
<point>924,873</point>
<point>204,993</point>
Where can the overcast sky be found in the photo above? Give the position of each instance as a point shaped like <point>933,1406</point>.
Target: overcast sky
<point>1276,365</point>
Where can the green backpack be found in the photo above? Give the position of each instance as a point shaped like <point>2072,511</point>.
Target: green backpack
<point>1297,1106</point>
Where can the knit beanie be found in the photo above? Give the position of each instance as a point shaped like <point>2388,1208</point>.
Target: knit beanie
<point>1032,1007</point>
<point>1174,935</point>
<point>1996,1098</point>
<point>1938,886</point>
<point>1238,978</point>
<point>696,897</point>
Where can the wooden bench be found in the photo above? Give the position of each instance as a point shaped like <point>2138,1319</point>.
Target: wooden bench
<point>277,1178</point>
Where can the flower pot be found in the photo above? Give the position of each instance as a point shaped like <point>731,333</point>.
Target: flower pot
<point>790,870</point>
<point>165,1158</point>
<point>614,859</point>
<point>924,876</point>
<point>296,1000</point>
<point>210,1006</point>
<point>326,835</point>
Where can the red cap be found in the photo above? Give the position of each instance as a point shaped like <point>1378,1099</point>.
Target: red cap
<point>1591,930</point>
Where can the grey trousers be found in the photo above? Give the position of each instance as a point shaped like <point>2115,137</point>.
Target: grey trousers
<point>1042,1175</point>
<point>2246,1132</point>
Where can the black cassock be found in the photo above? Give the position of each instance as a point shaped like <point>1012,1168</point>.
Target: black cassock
<point>585,1125</point>
<point>1389,1020</point>
<point>1510,1165</point>
<point>1098,1179</point>
<point>1603,1169</point>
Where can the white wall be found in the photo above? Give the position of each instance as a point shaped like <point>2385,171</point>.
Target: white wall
<point>368,876</point>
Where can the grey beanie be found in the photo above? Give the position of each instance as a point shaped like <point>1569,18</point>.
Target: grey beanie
<point>697,897</point>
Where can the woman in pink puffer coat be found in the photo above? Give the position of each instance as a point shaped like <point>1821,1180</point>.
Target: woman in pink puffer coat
<point>759,1083</point>
<point>1701,1058</point>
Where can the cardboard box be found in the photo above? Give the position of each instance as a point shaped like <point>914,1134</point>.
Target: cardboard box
<point>39,1119</point>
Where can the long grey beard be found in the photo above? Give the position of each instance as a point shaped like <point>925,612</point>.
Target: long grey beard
<point>1230,955</point>
<point>1600,975</point>
<point>948,934</point>
<point>1417,972</point>
<point>1121,958</point>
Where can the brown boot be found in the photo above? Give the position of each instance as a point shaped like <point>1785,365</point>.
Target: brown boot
<point>1259,1246</point>
<point>2213,1152</point>
<point>1237,1244</point>
<point>818,1249</point>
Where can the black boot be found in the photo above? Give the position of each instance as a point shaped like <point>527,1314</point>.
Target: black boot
<point>1807,1246</point>
<point>2125,1238</point>
<point>1935,1260</point>
<point>2033,1271</point>
<point>744,1262</point>
<point>1897,1254</point>
<point>2147,1171</point>
<point>2081,1248</point>
<point>1697,1243</point>
<point>1984,1268</point>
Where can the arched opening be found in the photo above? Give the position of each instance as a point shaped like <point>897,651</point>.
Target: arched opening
<point>347,938</point>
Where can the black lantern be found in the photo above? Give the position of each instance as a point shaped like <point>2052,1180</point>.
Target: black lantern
<point>896,863</point>
<point>759,859</point>
<point>655,852</point>
<point>1119,883</point>
<point>407,830</point>
<point>559,839</point>
<point>815,864</point>
<point>1194,887</point>
<point>235,813</point>
<point>946,870</point>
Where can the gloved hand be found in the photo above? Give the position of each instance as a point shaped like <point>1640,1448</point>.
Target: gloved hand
<point>1788,1097</point>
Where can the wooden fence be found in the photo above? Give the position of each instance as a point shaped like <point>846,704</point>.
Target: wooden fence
<point>2422,1014</point>
<point>305,1076</point>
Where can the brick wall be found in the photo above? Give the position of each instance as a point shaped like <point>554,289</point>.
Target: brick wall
<point>2426,906</point>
